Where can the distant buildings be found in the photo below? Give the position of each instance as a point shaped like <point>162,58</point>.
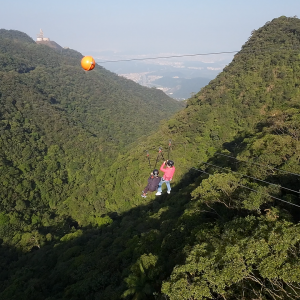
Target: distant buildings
<point>41,38</point>
<point>46,41</point>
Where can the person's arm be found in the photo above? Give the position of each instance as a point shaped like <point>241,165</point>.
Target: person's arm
<point>162,167</point>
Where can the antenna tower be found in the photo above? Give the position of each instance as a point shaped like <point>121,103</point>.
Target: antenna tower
<point>40,34</point>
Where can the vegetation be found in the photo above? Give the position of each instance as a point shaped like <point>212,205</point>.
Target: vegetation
<point>60,129</point>
<point>229,229</point>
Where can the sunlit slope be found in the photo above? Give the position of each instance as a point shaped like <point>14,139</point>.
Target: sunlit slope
<point>108,105</point>
<point>218,235</point>
<point>61,127</point>
<point>263,76</point>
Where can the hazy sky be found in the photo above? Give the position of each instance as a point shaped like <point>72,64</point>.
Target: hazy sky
<point>144,26</point>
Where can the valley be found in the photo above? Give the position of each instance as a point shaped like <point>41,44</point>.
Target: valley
<point>178,78</point>
<point>76,150</point>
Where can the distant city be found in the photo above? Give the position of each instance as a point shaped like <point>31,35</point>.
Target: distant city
<point>179,78</point>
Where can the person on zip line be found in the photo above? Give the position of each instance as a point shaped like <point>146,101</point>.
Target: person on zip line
<point>169,173</point>
<point>153,182</point>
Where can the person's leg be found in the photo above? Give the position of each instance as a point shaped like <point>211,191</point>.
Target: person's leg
<point>168,186</point>
<point>159,189</point>
<point>144,192</point>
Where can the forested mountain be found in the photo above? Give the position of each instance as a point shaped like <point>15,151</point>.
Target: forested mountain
<point>61,127</point>
<point>228,230</point>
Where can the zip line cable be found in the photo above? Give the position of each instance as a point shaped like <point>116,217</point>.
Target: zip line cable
<point>258,164</point>
<point>171,56</point>
<point>253,190</point>
<point>266,194</point>
<point>244,161</point>
<point>193,168</point>
<point>199,54</point>
<point>277,185</point>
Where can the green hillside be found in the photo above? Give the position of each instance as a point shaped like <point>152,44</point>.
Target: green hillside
<point>261,82</point>
<point>101,101</point>
<point>229,229</point>
<point>60,129</point>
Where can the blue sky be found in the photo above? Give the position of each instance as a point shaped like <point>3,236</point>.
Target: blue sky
<point>145,27</point>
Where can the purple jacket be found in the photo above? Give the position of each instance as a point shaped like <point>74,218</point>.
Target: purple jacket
<point>152,183</point>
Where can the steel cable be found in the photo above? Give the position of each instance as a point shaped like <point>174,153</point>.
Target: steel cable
<point>258,164</point>
<point>277,185</point>
<point>253,190</point>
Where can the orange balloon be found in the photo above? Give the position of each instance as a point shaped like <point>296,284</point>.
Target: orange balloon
<point>88,63</point>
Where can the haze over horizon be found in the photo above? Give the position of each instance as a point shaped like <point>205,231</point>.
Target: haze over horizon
<point>119,30</point>
<point>136,28</point>
<point>81,216</point>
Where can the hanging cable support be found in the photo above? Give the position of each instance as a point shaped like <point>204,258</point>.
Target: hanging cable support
<point>277,185</point>
<point>261,165</point>
<point>159,154</point>
<point>147,154</point>
<point>170,143</point>
<point>258,50</point>
<point>266,194</point>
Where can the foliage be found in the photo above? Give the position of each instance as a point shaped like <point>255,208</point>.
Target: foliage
<point>138,281</point>
<point>61,128</point>
<point>228,230</point>
<point>254,257</point>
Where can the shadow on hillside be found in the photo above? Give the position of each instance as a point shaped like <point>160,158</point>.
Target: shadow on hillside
<point>101,258</point>
<point>94,265</point>
<point>237,145</point>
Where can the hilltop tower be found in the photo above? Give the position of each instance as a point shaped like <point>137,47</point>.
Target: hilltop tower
<point>46,41</point>
<point>41,38</point>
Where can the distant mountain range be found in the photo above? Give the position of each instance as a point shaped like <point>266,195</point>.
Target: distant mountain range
<point>74,159</point>
<point>180,88</point>
<point>178,78</point>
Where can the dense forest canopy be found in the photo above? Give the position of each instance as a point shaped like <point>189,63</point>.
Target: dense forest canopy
<point>61,127</point>
<point>230,227</point>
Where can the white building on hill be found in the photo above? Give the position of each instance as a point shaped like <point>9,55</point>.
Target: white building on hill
<point>41,38</point>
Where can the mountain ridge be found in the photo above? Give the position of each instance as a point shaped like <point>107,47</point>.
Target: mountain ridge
<point>61,127</point>
<point>218,234</point>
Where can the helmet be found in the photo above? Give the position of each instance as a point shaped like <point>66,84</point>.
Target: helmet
<point>155,172</point>
<point>170,163</point>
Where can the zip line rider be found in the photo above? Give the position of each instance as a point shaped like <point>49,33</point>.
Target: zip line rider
<point>153,182</point>
<point>169,172</point>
